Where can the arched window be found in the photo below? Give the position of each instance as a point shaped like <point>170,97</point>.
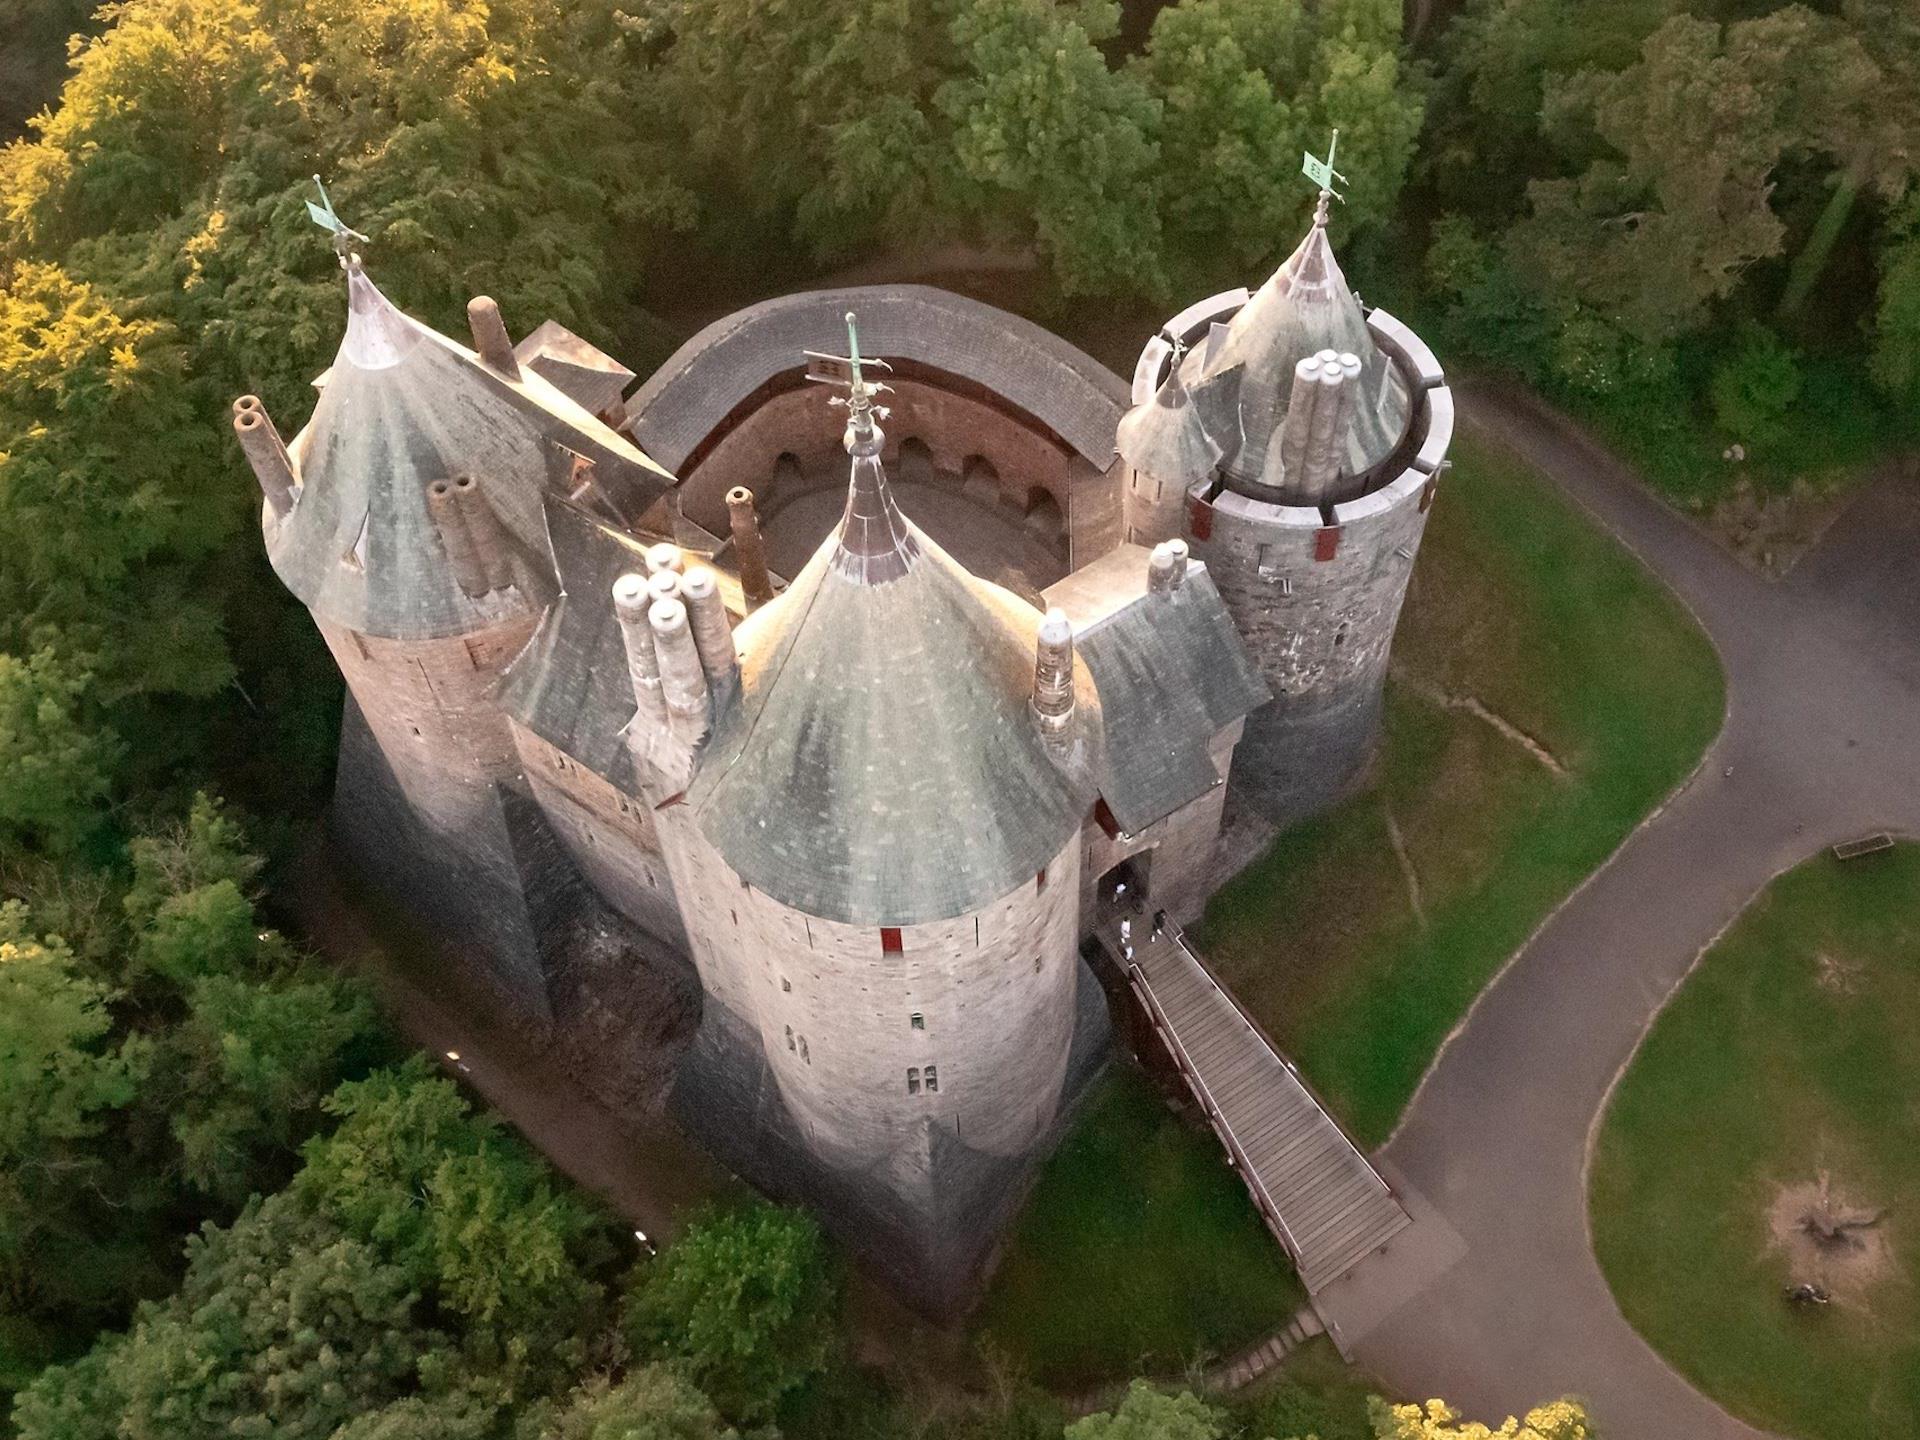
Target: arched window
<point>917,1020</point>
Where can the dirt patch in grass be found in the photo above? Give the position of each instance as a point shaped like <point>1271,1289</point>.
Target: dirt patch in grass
<point>1836,1246</point>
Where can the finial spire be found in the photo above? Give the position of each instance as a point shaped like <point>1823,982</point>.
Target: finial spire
<point>323,215</point>
<point>849,370</point>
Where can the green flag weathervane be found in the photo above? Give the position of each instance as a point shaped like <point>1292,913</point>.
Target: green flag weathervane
<point>849,370</point>
<point>323,215</point>
<point>1321,172</point>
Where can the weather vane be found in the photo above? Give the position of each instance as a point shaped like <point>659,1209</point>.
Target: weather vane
<point>1322,173</point>
<point>849,370</point>
<point>323,215</point>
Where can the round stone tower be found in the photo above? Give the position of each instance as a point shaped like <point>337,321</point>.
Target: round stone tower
<point>879,867</point>
<point>1295,439</point>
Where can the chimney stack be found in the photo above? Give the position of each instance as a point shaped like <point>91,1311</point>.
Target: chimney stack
<point>491,544</point>
<point>1167,567</point>
<point>490,336</point>
<point>712,634</point>
<point>1053,675</point>
<point>664,556</point>
<point>749,551</point>
<point>265,453</point>
<point>630,602</point>
<point>681,675</point>
<point>443,509</point>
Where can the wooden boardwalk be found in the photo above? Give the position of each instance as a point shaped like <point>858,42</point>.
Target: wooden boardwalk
<point>1318,1193</point>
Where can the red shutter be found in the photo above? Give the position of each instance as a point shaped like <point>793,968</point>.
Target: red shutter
<point>1200,518</point>
<point>890,940</point>
<point>1103,817</point>
<point>1326,543</point>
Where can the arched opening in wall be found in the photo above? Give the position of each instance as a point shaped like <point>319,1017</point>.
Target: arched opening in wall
<point>916,460</point>
<point>787,476</point>
<point>1044,521</point>
<point>979,481</point>
<point>1127,883</point>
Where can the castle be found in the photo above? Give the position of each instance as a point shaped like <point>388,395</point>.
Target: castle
<point>856,714</point>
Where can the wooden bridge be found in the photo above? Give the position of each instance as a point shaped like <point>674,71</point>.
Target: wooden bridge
<point>1318,1193</point>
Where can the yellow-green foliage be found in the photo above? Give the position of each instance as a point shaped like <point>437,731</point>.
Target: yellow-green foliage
<point>1436,1420</point>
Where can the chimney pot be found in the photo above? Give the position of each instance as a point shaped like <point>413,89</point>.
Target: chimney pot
<point>490,336</point>
<point>266,453</point>
<point>749,550</point>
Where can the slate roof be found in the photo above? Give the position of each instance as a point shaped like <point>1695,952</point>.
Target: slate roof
<point>1073,394</point>
<point>881,766</point>
<point>1171,674</point>
<point>1167,438</point>
<point>1307,306</point>
<point>404,406</point>
<point>569,684</point>
<point>584,373</point>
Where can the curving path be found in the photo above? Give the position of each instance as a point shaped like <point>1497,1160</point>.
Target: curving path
<point>1494,1298</point>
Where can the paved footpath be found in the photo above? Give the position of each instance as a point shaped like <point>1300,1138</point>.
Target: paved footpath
<point>1495,1300</point>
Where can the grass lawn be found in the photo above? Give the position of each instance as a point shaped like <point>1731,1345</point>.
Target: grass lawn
<point>1138,1251</point>
<point>1520,604</point>
<point>1789,1051</point>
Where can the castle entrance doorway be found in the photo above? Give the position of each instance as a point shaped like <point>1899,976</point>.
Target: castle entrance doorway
<point>1127,883</point>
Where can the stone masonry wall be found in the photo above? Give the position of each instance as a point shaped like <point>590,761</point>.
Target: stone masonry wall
<point>1180,874</point>
<point>834,1005</point>
<point>610,835</point>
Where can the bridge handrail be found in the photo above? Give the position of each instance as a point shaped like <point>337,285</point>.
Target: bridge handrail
<point>1248,1173</point>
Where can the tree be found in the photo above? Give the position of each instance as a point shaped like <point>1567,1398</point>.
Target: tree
<point>651,1403</point>
<point>829,134</point>
<point>1150,1414</point>
<point>1754,387</point>
<point>744,1303</point>
<point>61,1074</point>
<point>472,1215</point>
<point>1896,348</point>
<point>283,1326</point>
<point>1436,1420</point>
<point>1676,208</point>
<point>1048,138</point>
<point>56,759</point>
<point>105,495</point>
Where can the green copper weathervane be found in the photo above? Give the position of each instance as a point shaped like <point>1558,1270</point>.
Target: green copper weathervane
<point>1322,173</point>
<point>323,215</point>
<point>848,370</point>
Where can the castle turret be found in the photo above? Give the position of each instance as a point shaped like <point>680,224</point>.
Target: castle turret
<point>878,859</point>
<point>1309,434</point>
<point>407,516</point>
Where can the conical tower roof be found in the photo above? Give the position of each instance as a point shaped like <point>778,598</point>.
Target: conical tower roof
<point>403,407</point>
<point>1165,437</point>
<point>1306,307</point>
<point>881,766</point>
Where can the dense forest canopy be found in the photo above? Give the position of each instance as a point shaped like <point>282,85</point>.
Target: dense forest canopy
<point>1697,219</point>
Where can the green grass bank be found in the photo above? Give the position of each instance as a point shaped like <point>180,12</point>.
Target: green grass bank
<point>1788,1055</point>
<point>1547,694</point>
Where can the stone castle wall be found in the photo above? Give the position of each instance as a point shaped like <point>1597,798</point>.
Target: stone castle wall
<point>1179,848</point>
<point>834,1005</point>
<point>609,834</point>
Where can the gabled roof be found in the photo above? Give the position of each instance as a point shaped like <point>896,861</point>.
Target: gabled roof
<point>881,766</point>
<point>404,406</point>
<point>584,373</point>
<point>1306,307</point>
<point>569,685</point>
<point>1171,673</point>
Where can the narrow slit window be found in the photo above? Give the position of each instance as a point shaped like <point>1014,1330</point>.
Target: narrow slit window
<point>917,1020</point>
<point>790,1044</point>
<point>786,985</point>
<point>803,1050</point>
<point>933,1078</point>
<point>913,1080</point>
